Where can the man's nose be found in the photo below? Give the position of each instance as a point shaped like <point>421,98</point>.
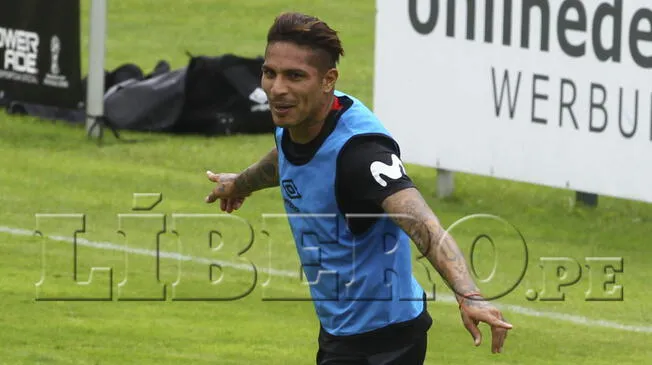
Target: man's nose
<point>279,87</point>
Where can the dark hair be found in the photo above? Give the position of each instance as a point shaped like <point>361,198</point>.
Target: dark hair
<point>309,31</point>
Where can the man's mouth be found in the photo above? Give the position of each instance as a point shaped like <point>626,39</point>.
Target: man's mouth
<point>282,107</point>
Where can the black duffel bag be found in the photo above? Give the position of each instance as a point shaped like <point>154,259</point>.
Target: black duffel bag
<point>223,96</point>
<point>211,96</point>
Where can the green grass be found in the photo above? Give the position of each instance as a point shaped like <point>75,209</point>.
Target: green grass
<point>51,168</point>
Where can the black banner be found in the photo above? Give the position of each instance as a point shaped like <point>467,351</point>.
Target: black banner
<point>40,52</point>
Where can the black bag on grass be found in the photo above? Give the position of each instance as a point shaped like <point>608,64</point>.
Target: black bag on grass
<point>211,96</point>
<point>223,97</point>
<point>152,104</point>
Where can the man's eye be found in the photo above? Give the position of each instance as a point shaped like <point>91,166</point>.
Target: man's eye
<point>268,73</point>
<point>295,75</point>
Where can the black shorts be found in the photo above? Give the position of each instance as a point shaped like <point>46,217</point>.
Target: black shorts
<point>412,353</point>
<point>397,344</point>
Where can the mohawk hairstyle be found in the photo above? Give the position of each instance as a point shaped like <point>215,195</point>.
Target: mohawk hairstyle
<point>308,31</point>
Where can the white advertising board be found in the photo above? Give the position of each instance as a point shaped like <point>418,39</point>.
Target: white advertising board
<point>551,92</point>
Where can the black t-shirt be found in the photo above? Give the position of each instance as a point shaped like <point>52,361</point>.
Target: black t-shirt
<point>368,171</point>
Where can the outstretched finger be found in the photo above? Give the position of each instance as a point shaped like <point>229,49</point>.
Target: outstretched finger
<point>496,320</point>
<point>502,324</point>
<point>213,176</point>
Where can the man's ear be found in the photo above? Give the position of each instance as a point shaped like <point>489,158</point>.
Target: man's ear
<point>329,80</point>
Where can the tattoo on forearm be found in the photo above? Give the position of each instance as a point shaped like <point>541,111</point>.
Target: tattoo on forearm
<point>431,239</point>
<point>263,174</point>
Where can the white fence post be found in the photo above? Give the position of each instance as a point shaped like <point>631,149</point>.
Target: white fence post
<point>95,89</point>
<point>445,183</point>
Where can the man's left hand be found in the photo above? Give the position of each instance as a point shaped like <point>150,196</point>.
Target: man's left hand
<point>475,310</point>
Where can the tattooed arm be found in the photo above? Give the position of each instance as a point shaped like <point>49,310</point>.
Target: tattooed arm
<point>420,223</point>
<point>408,208</point>
<point>232,189</point>
<point>261,175</point>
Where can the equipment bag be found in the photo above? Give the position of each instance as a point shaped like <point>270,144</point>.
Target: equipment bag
<point>152,105</point>
<point>223,97</point>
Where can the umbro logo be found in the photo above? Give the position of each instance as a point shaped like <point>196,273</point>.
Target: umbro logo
<point>290,189</point>
<point>393,171</point>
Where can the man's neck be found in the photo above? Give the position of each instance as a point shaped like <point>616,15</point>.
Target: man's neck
<point>310,129</point>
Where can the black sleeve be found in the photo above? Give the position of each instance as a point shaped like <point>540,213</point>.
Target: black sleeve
<point>370,170</point>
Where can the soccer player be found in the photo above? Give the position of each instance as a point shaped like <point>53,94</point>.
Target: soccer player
<point>334,158</point>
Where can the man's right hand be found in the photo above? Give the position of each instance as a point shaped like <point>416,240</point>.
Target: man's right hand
<point>225,190</point>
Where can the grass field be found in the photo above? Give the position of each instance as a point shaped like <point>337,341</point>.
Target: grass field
<point>50,168</point>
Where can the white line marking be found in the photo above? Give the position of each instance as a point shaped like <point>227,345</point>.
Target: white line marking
<point>581,320</point>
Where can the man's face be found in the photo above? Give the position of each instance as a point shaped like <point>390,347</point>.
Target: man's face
<point>295,86</point>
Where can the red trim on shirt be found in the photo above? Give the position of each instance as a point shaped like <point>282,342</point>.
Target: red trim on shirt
<point>336,104</point>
